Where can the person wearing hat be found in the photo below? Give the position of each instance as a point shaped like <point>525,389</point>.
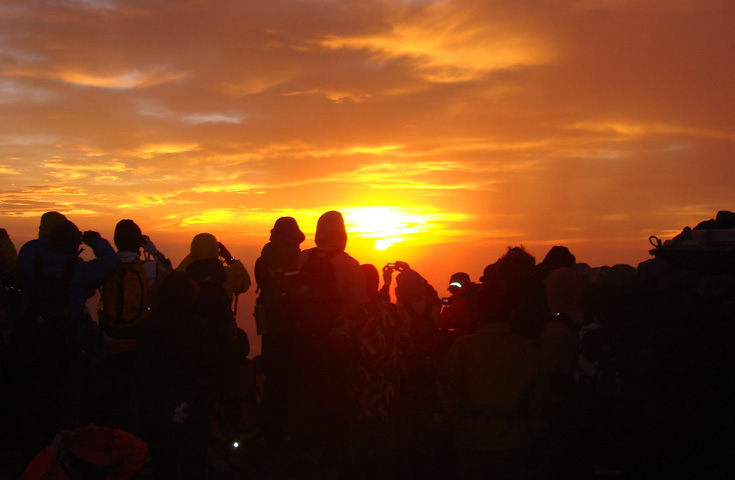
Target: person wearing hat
<point>205,246</point>
<point>456,319</point>
<point>278,258</point>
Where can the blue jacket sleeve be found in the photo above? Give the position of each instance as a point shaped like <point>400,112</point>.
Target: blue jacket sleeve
<point>94,272</point>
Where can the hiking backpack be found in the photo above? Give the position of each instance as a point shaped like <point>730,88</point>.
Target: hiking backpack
<point>311,303</point>
<point>124,301</point>
<point>598,363</point>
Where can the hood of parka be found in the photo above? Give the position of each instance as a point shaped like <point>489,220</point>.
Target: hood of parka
<point>330,232</point>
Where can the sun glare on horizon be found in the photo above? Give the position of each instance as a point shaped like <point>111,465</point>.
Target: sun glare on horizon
<point>385,225</point>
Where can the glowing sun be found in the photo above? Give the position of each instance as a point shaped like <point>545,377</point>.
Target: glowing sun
<point>386,225</point>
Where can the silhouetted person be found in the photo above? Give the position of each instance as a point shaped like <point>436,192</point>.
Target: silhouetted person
<point>456,317</point>
<point>484,386</point>
<point>563,452</point>
<point>516,270</point>
<point>56,343</point>
<point>124,303</point>
<point>384,344</point>
<point>328,298</point>
<point>278,259</point>
<point>556,257</point>
<point>205,246</point>
<point>419,307</point>
<point>31,249</point>
<point>178,371</point>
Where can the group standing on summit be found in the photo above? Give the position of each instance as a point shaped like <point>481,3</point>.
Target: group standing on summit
<point>523,374</point>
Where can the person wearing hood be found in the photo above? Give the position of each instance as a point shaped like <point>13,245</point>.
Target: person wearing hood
<point>331,238</point>
<point>205,246</point>
<point>56,342</point>
<point>323,409</point>
<point>31,248</point>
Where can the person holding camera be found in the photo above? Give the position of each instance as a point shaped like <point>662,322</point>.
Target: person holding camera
<point>57,344</point>
<point>124,302</point>
<point>204,246</point>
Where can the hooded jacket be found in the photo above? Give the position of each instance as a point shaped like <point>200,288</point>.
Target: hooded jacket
<point>87,276</point>
<point>330,236</point>
<point>205,246</point>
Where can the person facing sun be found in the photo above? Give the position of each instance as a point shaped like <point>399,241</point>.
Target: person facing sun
<point>331,239</point>
<point>205,246</point>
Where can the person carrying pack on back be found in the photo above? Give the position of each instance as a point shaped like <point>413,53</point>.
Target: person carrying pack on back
<point>57,344</point>
<point>325,299</point>
<point>278,258</point>
<point>124,302</point>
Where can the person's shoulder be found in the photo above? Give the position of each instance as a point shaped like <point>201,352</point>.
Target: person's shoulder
<point>345,258</point>
<point>31,247</point>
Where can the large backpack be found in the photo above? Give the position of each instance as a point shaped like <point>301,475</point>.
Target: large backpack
<point>598,363</point>
<point>125,301</point>
<point>311,303</point>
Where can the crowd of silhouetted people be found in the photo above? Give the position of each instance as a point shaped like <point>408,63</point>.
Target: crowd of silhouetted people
<point>538,370</point>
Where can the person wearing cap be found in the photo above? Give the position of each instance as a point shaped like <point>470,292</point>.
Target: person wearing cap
<point>456,319</point>
<point>205,246</point>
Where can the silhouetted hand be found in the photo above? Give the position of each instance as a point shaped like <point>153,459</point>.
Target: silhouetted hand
<point>400,266</point>
<point>224,253</point>
<point>148,246</point>
<point>387,274</point>
<point>90,236</point>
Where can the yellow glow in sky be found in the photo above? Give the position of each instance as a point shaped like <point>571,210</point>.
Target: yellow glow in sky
<point>386,225</point>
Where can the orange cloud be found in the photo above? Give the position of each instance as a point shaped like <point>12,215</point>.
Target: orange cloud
<point>447,43</point>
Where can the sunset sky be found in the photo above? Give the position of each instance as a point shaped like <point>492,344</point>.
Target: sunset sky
<point>443,130</point>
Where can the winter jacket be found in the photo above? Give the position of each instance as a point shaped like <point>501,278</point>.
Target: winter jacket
<point>487,389</point>
<point>86,278</point>
<point>204,246</point>
<point>331,235</point>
